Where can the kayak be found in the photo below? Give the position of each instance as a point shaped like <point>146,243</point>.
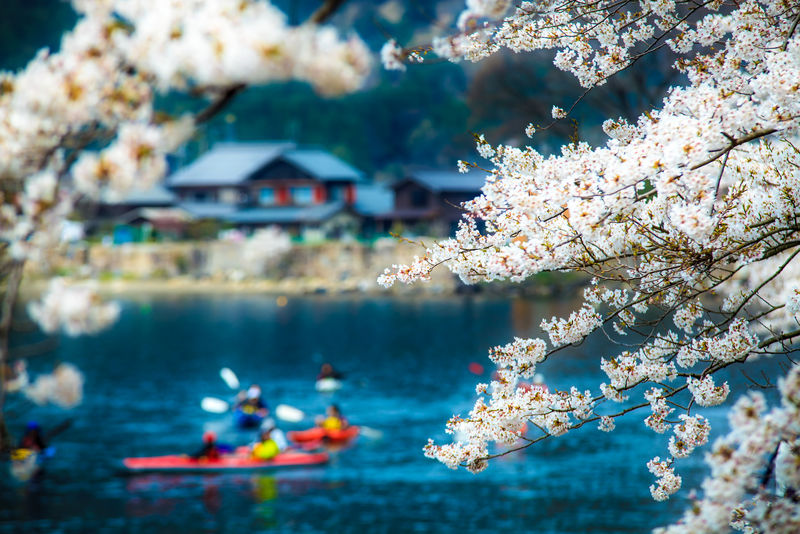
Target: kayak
<point>247,420</point>
<point>241,460</point>
<point>322,434</point>
<point>328,385</point>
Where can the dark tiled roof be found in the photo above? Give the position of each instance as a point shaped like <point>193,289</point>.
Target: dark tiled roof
<point>449,180</point>
<point>373,199</point>
<point>158,195</point>
<point>228,164</point>
<point>323,165</point>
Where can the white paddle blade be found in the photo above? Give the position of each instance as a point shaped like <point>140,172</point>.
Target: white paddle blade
<point>370,433</point>
<point>288,413</point>
<point>210,404</point>
<point>229,377</point>
<point>328,385</point>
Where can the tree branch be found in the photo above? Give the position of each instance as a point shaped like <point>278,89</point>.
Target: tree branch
<point>10,298</point>
<point>325,11</point>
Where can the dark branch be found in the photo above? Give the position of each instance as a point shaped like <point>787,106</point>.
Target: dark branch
<point>325,11</point>
<point>217,105</point>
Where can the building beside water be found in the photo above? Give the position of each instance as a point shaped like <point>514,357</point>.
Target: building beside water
<point>247,185</point>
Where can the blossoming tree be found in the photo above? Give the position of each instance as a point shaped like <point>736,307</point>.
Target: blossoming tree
<point>686,223</point>
<point>85,121</point>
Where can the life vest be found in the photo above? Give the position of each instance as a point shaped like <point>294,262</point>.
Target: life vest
<point>20,454</point>
<point>332,423</point>
<point>266,450</point>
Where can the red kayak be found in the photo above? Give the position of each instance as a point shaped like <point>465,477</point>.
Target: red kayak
<point>322,434</point>
<point>228,462</point>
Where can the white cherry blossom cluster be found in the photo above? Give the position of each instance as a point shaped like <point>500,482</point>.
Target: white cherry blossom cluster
<point>656,421</point>
<point>63,387</point>
<point>706,393</point>
<point>579,324</point>
<point>687,221</point>
<point>668,482</point>
<point>482,9</point>
<point>502,418</point>
<point>189,43</point>
<point>734,344</point>
<point>265,248</point>
<point>758,454</point>
<point>606,424</point>
<point>689,434</point>
<point>521,356</point>
<point>392,56</point>
<point>74,308</point>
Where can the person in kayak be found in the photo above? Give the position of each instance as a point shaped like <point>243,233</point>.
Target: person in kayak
<point>32,439</point>
<point>251,403</point>
<point>266,448</point>
<point>209,450</point>
<point>276,433</point>
<point>327,371</point>
<point>333,419</point>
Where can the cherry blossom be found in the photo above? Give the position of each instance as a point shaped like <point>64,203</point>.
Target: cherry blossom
<point>684,220</point>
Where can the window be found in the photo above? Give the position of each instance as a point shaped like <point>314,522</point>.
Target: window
<point>418,198</point>
<point>266,196</point>
<point>337,192</point>
<point>202,196</point>
<point>229,195</point>
<point>302,195</point>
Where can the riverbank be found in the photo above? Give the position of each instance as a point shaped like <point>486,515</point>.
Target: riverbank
<point>222,267</point>
<point>182,285</point>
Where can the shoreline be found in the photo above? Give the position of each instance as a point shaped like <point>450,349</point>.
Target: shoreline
<point>185,285</point>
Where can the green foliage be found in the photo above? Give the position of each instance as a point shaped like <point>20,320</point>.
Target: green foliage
<point>204,229</point>
<point>182,264</point>
<point>29,25</point>
<point>365,128</point>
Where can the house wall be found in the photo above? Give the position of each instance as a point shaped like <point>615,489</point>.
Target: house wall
<point>213,194</point>
<point>410,195</point>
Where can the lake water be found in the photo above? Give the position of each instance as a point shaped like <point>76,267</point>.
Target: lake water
<point>406,362</point>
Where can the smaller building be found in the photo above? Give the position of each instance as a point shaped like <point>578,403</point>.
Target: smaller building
<point>428,201</point>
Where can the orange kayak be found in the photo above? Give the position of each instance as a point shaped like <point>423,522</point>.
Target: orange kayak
<point>322,434</point>
<point>228,462</point>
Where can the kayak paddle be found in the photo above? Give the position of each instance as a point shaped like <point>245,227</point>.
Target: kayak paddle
<point>370,433</point>
<point>229,377</point>
<point>214,405</point>
<point>288,413</point>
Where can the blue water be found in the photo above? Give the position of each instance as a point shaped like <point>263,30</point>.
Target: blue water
<point>406,362</point>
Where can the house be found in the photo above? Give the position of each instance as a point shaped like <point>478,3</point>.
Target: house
<point>264,183</point>
<point>428,201</point>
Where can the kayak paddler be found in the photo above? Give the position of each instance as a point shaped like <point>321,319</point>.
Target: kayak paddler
<point>32,439</point>
<point>333,419</point>
<point>266,448</point>
<point>209,451</point>
<point>251,403</point>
